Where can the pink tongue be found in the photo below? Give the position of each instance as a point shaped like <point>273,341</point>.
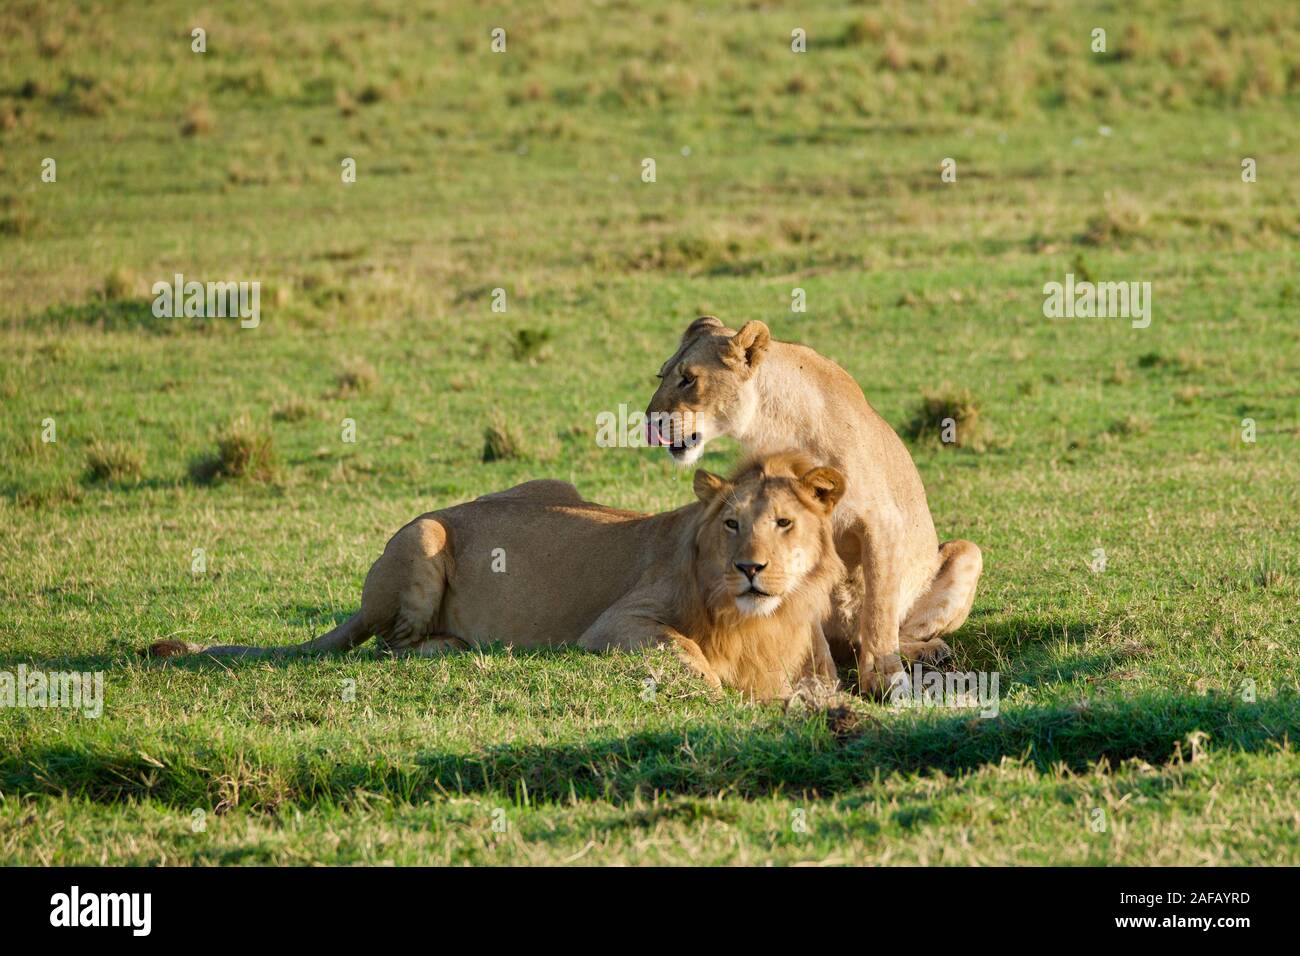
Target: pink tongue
<point>654,436</point>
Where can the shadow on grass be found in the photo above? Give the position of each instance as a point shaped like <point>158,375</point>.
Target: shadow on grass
<point>321,619</point>
<point>77,492</point>
<point>790,755</point>
<point>119,315</point>
<point>803,756</point>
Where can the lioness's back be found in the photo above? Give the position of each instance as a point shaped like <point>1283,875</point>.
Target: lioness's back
<point>539,490</point>
<point>538,563</point>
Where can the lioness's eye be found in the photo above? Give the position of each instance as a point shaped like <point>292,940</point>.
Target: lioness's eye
<point>783,522</point>
<point>731,524</point>
<point>687,381</point>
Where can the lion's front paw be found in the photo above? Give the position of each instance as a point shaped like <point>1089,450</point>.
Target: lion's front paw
<point>885,686</point>
<point>699,665</point>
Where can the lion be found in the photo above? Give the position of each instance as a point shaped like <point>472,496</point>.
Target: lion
<point>903,590</point>
<point>737,582</point>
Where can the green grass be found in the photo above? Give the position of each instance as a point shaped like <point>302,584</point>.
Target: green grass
<point>1123,690</point>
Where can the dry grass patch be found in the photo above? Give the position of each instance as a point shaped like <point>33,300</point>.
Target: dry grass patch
<point>355,378</point>
<point>1130,426</point>
<point>530,345</point>
<point>117,285</point>
<point>501,442</point>
<point>244,450</point>
<point>293,410</point>
<point>114,462</point>
<point>199,120</point>
<point>16,218</point>
<point>949,416</point>
<point>1267,570</point>
<point>1122,219</point>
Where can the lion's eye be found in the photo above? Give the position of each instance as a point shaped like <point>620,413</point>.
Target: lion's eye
<point>686,381</point>
<point>783,522</point>
<point>731,524</point>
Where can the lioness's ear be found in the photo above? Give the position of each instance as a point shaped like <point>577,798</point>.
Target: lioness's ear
<point>708,485</point>
<point>700,324</point>
<point>751,341</point>
<point>826,485</point>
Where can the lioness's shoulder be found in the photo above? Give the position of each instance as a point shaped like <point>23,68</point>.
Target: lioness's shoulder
<point>821,371</point>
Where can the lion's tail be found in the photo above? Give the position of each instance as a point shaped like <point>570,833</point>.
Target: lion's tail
<point>346,636</point>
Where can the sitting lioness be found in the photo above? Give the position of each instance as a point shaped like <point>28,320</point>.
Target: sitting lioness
<point>739,582</point>
<point>903,589</point>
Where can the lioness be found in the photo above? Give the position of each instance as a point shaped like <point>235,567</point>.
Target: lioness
<point>738,581</point>
<point>903,589</point>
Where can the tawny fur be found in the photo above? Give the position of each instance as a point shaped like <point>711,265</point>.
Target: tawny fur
<point>578,572</point>
<point>756,653</point>
<point>771,395</point>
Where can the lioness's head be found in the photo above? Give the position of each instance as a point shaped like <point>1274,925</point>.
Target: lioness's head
<point>765,534</point>
<point>703,390</point>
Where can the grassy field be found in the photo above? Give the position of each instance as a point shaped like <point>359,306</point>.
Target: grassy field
<point>1149,701</point>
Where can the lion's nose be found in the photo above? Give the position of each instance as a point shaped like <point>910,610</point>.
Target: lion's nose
<point>749,569</point>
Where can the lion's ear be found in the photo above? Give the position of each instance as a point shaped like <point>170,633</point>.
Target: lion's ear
<point>752,341</point>
<point>708,485</point>
<point>826,485</point>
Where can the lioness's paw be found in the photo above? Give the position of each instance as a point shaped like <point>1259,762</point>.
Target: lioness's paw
<point>932,652</point>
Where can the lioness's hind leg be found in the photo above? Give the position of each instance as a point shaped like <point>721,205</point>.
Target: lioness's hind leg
<point>404,589</point>
<point>944,606</point>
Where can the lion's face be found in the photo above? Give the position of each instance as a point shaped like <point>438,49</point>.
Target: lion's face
<point>766,534</point>
<point>704,388</point>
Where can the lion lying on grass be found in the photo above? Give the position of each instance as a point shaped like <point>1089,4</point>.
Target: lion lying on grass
<point>738,582</point>
<point>903,590</point>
